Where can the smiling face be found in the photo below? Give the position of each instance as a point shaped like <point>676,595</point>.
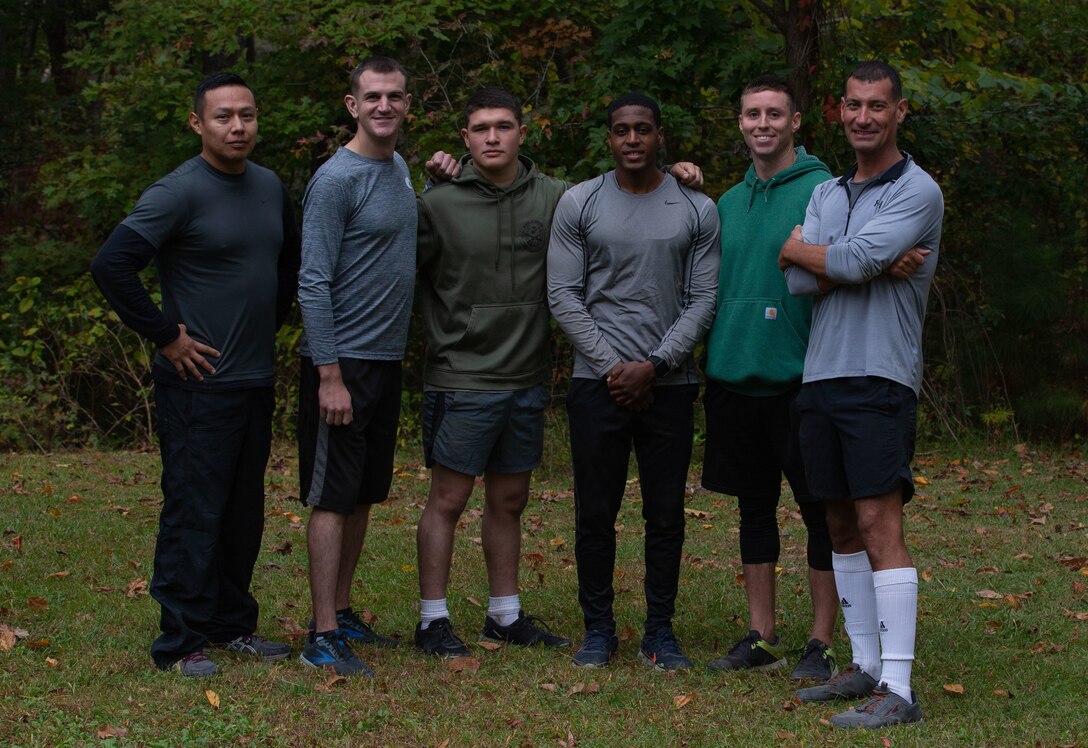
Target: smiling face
<point>768,123</point>
<point>227,126</point>
<point>635,139</point>
<point>871,115</point>
<point>493,137</point>
<point>378,104</point>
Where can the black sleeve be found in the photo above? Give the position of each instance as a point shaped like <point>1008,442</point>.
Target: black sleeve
<point>289,262</point>
<point>116,270</point>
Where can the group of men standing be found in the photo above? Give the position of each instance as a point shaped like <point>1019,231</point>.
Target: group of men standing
<point>635,267</point>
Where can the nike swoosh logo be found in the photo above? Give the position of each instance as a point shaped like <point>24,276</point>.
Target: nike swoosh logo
<point>672,202</point>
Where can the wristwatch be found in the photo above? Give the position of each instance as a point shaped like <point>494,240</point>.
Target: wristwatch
<point>661,366</point>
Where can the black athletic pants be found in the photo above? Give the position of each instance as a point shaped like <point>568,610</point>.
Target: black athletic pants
<point>601,435</point>
<point>214,448</point>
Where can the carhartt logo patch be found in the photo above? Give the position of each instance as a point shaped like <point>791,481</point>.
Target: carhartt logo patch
<point>845,603</point>
<point>770,312</point>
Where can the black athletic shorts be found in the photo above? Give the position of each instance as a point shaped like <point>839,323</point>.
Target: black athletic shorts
<point>341,467</point>
<point>750,443</point>
<point>857,437</point>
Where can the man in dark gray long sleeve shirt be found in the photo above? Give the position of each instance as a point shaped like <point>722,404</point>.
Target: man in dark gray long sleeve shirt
<point>632,277</point>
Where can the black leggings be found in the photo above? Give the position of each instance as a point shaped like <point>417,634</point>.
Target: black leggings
<point>759,543</point>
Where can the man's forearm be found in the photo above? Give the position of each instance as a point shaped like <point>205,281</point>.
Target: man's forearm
<point>810,257</point>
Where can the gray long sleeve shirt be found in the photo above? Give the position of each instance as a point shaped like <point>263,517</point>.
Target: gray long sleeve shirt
<point>871,324</point>
<point>358,259</point>
<point>630,276</point>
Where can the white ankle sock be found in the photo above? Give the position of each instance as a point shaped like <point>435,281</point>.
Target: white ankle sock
<point>432,610</point>
<point>505,610</point>
<point>854,579</point>
<point>897,608</point>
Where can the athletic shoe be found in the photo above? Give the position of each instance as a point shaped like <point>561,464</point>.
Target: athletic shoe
<point>596,650</point>
<point>358,631</point>
<point>333,651</point>
<point>851,683</point>
<point>526,631</point>
<point>257,646</point>
<point>753,652</point>
<point>817,663</point>
<point>884,709</point>
<point>195,665</point>
<point>662,652</point>
<point>439,639</point>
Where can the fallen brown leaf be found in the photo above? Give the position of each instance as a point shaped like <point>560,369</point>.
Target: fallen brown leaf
<point>7,639</point>
<point>37,604</point>
<point>783,735</point>
<point>987,570</point>
<point>53,511</point>
<point>444,744</point>
<point>550,687</point>
<point>697,513</point>
<point>292,517</point>
<point>681,700</point>
<point>51,661</point>
<point>927,575</point>
<point>212,697</point>
<point>136,587</point>
<point>989,595</point>
<point>109,731</point>
<point>955,688</point>
<point>1002,693</point>
<point>489,646</point>
<point>463,665</point>
<point>576,688</point>
<point>58,575</point>
<point>283,548</point>
<point>886,741</point>
<point>1076,616</point>
<point>17,542</point>
<point>627,634</point>
<point>474,601</point>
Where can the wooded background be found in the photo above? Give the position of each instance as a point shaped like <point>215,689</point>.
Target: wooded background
<point>94,96</point>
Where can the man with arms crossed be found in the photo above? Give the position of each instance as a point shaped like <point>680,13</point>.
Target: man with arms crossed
<point>755,356</point>
<point>355,292</point>
<point>223,236</point>
<point>632,275</point>
<point>863,371</point>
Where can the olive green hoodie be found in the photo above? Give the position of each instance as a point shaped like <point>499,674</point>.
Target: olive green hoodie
<point>482,279</point>
<point>757,344</point>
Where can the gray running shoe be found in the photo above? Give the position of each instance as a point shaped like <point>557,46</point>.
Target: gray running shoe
<point>817,663</point>
<point>851,683</point>
<point>884,709</point>
<point>195,665</point>
<point>256,646</point>
<point>753,652</point>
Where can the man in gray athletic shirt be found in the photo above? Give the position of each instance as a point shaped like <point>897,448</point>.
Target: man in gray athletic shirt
<point>223,236</point>
<point>632,276</point>
<point>355,291</point>
<point>863,372</point>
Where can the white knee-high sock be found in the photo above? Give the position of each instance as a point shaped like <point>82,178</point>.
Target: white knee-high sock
<point>504,610</point>
<point>432,610</point>
<point>854,579</point>
<point>897,608</point>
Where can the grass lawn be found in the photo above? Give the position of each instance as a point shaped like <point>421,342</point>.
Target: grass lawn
<point>999,535</point>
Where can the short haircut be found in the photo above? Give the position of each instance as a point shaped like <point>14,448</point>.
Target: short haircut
<point>633,98</point>
<point>212,82</point>
<point>770,83</point>
<point>493,97</point>
<point>377,64</point>
<point>874,71</point>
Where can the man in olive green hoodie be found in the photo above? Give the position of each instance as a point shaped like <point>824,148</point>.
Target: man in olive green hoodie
<point>755,358</point>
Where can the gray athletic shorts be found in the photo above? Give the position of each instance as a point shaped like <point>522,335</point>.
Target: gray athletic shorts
<point>472,432</point>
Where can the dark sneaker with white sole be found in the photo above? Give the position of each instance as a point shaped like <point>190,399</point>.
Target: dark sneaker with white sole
<point>359,631</point>
<point>817,663</point>
<point>851,683</point>
<point>596,650</point>
<point>884,709</point>
<point>438,639</point>
<point>333,651</point>
<point>195,665</point>
<point>257,646</point>
<point>661,651</point>
<point>525,631</point>
<point>753,652</point>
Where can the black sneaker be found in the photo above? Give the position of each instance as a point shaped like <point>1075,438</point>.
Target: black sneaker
<point>596,650</point>
<point>662,652</point>
<point>257,646</point>
<point>884,709</point>
<point>817,663</point>
<point>753,652</point>
<point>525,631</point>
<point>333,651</point>
<point>439,639</point>
<point>358,631</point>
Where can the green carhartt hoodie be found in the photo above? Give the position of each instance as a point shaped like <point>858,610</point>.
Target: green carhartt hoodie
<point>757,344</point>
<point>482,279</point>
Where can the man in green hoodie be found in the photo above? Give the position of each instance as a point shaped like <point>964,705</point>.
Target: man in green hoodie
<point>755,358</point>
